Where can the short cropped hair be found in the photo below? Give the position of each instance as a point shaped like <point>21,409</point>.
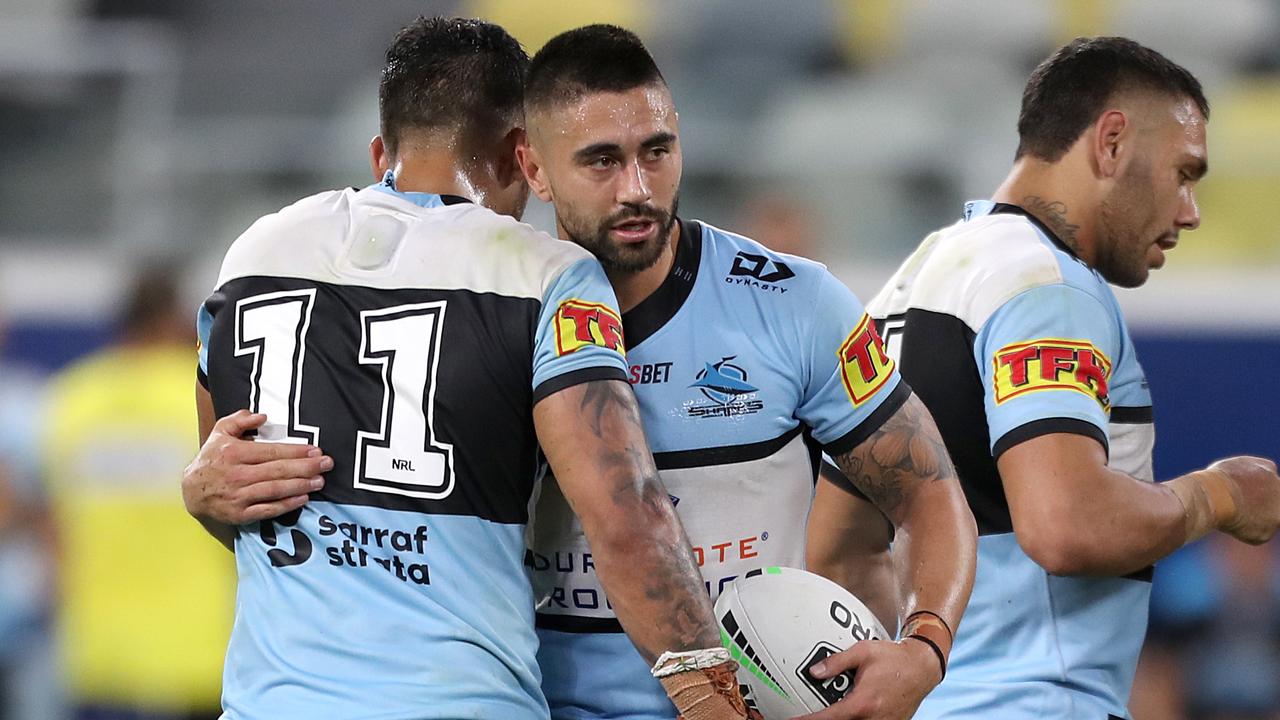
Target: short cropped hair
<point>1069,91</point>
<point>590,59</point>
<point>451,74</point>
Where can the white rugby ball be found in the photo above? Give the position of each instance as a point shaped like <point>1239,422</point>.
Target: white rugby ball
<point>777,622</point>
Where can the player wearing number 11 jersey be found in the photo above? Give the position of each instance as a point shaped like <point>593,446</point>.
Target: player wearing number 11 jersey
<point>432,346</point>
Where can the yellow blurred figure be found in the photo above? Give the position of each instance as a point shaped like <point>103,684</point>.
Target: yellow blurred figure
<point>534,22</point>
<point>145,595</point>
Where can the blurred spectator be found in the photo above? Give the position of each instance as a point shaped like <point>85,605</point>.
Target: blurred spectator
<point>780,223</point>
<point>27,687</point>
<point>145,595</point>
<point>1214,648</point>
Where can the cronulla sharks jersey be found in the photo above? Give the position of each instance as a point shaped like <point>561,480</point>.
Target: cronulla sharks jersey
<point>1005,335</point>
<point>409,336</point>
<point>745,363</point>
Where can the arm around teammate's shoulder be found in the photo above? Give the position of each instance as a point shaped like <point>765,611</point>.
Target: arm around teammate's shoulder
<point>1073,515</point>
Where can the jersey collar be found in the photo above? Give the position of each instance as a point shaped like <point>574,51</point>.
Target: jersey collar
<point>653,312</point>
<point>978,208</point>
<point>426,200</point>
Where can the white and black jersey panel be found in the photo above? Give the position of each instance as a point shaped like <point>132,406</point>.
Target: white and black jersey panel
<point>1006,336</point>
<point>745,363</point>
<point>409,336</point>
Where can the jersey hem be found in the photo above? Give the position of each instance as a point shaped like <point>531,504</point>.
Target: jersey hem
<point>874,421</point>
<point>576,377</point>
<point>1048,426</point>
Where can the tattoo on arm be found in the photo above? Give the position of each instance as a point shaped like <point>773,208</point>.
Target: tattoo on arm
<point>1054,214</point>
<point>903,453</point>
<point>671,578</point>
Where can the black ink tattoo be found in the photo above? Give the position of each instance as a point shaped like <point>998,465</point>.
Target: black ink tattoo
<point>903,453</point>
<point>1054,214</point>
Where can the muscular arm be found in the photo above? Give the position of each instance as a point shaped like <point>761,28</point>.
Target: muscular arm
<point>592,437</point>
<point>848,542</point>
<point>1075,516</point>
<point>905,470</point>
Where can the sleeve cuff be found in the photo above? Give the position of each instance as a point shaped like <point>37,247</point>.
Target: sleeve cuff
<point>878,417</point>
<point>1048,426</point>
<point>577,377</point>
<point>202,377</point>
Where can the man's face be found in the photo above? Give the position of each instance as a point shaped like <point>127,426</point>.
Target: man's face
<point>611,164</point>
<point>1154,197</point>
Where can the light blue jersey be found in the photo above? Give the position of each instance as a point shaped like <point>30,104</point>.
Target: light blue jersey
<point>409,336</point>
<point>1005,335</point>
<point>746,363</point>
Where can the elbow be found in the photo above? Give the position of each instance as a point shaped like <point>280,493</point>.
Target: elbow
<point>1055,548</point>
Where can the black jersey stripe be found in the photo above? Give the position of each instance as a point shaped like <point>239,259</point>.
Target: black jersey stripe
<point>1047,426</point>
<point>575,624</point>
<point>576,377</point>
<point>724,454</point>
<point>877,418</point>
<point>1132,415</point>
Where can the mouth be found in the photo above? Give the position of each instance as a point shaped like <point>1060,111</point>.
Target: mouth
<point>635,229</point>
<point>1167,242</point>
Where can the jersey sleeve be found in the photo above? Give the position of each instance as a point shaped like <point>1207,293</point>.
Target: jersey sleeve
<point>579,336</point>
<point>1045,359</point>
<point>852,386</point>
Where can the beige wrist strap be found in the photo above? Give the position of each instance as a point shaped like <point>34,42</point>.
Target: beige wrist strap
<point>706,694</point>
<point>1207,502</point>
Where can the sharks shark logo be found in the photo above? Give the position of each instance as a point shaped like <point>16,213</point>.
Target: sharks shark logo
<point>726,386</point>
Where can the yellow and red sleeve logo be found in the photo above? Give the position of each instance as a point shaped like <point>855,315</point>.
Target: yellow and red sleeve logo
<point>864,366</point>
<point>1052,364</point>
<point>580,323</point>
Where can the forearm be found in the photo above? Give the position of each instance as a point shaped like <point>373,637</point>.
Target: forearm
<point>592,438</point>
<point>905,470</point>
<point>648,571</point>
<point>935,551</point>
<point>869,575</point>
<point>848,542</point>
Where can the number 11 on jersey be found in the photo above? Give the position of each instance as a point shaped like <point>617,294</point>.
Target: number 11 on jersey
<point>403,342</point>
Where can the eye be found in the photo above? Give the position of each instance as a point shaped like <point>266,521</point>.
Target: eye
<point>659,152</point>
<point>601,162</point>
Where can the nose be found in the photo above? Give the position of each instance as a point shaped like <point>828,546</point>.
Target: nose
<point>1188,212</point>
<point>633,188</point>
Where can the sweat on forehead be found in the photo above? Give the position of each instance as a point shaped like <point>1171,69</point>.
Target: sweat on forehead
<point>591,59</point>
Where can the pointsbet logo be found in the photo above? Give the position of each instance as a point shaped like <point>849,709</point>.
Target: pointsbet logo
<point>580,323</point>
<point>1052,364</point>
<point>864,366</point>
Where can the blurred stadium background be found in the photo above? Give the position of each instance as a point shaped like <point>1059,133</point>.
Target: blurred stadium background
<point>137,132</point>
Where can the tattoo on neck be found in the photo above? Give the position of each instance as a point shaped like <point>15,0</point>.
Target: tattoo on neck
<point>1054,214</point>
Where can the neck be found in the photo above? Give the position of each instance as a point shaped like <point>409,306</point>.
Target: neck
<point>633,287</point>
<point>442,172</point>
<point>1046,191</point>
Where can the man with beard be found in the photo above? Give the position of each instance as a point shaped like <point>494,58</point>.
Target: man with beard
<point>745,363</point>
<point>1006,327</point>
<point>433,346</point>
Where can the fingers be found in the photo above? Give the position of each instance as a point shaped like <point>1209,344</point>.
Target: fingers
<point>266,511</point>
<point>239,422</point>
<point>282,469</point>
<point>276,490</point>
<point>845,660</point>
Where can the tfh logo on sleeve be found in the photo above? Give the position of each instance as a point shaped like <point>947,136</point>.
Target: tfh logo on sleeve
<point>580,323</point>
<point>1051,364</point>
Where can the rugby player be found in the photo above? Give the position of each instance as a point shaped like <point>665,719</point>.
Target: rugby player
<point>433,345</point>
<point>1005,326</point>
<point>746,364</point>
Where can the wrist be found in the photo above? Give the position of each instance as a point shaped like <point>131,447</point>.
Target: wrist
<point>931,630</point>
<point>1207,503</point>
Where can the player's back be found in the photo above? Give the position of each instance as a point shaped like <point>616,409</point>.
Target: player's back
<point>408,335</point>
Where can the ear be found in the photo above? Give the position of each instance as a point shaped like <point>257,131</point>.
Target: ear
<point>1112,137</point>
<point>507,169</point>
<point>531,164</point>
<point>379,162</point>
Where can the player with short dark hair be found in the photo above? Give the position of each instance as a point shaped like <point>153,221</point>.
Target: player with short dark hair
<point>746,364</point>
<point>1006,327</point>
<point>434,346</point>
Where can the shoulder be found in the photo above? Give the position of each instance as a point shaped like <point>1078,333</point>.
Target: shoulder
<point>273,240</point>
<point>971,269</point>
<point>738,260</point>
